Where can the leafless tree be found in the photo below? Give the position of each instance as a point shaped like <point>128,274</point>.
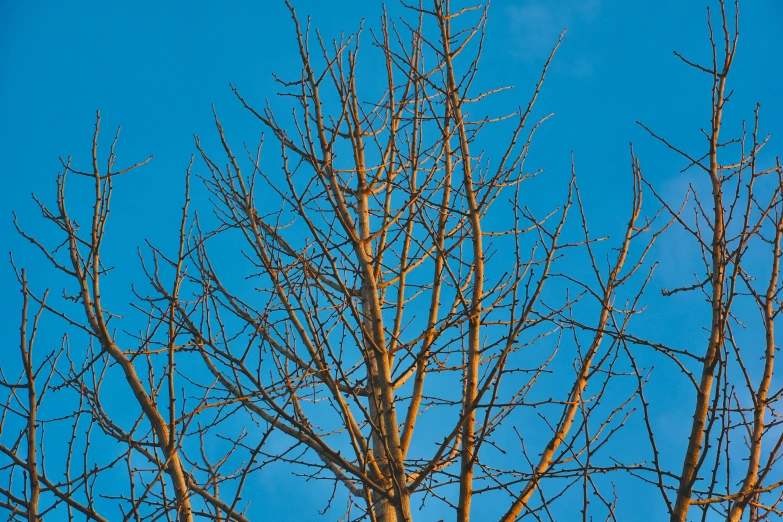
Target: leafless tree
<point>387,310</point>
<point>732,394</point>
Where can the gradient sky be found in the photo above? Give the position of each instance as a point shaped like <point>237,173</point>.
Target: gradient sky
<point>156,67</point>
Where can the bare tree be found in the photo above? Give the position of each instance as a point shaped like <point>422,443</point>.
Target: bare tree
<point>387,310</point>
<point>732,394</point>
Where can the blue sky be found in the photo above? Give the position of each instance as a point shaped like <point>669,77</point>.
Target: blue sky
<point>155,68</point>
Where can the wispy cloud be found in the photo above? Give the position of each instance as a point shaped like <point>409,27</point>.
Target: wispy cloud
<point>535,25</point>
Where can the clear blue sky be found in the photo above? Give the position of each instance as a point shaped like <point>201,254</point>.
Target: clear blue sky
<point>156,67</point>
